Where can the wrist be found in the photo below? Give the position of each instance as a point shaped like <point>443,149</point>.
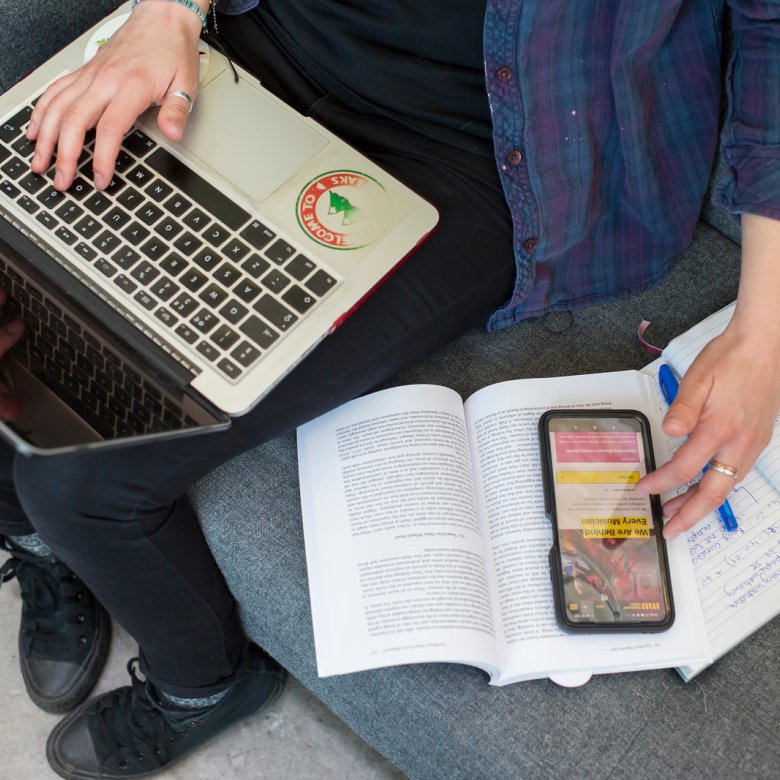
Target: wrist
<point>197,9</point>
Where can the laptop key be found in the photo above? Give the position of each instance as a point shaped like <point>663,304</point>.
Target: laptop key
<point>123,161</point>
<point>187,243</point>
<point>4,154</point>
<point>166,316</point>
<point>254,328</point>
<point>177,205</point>
<point>69,212</point>
<point>224,337</point>
<point>149,213</point>
<point>245,354</point>
<point>207,259</point>
<point>216,234</point>
<point>145,273</point>
<point>116,184</point>
<point>131,199</point>
<point>116,218</point>
<point>139,176</point>
<point>125,257</point>
<point>135,233</point>
<point>227,274</point>
<point>300,267</point>
<point>86,251</point>
<point>106,242</point>
<point>87,227</point>
<point>158,190</point>
<point>229,368</point>
<point>185,304</point>
<point>164,288</point>
<point>247,291</point>
<point>207,350</point>
<point>105,268</point>
<point>173,263</point>
<point>204,320</point>
<point>30,206</point>
<point>196,220</point>
<point>47,220</point>
<point>23,147</point>
<point>168,228</point>
<point>51,197</point>
<point>194,186</point>
<point>275,281</point>
<point>97,203</point>
<point>187,333</point>
<point>193,280</point>
<point>235,249</point>
<point>321,283</point>
<point>9,189</point>
<point>80,188</point>
<point>138,143</point>
<point>299,299</point>
<point>257,234</point>
<point>213,295</point>
<point>14,168</point>
<point>275,313</point>
<point>145,299</point>
<point>65,235</point>
<point>32,182</point>
<point>233,312</point>
<point>154,248</point>
<point>280,252</point>
<point>13,126</point>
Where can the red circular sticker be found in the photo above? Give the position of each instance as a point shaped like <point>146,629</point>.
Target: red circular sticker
<point>343,209</point>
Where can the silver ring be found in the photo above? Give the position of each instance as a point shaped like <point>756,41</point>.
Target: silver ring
<point>724,468</point>
<point>182,94</point>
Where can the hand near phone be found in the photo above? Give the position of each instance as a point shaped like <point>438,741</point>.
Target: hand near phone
<point>153,54</point>
<point>729,398</point>
<point>10,333</point>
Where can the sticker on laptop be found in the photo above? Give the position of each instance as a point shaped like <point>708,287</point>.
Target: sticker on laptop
<point>343,209</point>
<point>102,35</point>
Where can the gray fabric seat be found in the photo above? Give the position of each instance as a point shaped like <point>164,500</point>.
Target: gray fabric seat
<point>440,721</point>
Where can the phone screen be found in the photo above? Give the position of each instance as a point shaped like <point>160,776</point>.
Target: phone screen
<point>612,565</point>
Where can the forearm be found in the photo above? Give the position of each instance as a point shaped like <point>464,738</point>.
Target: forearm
<point>757,313</point>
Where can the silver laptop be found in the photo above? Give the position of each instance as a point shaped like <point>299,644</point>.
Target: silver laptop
<point>180,295</point>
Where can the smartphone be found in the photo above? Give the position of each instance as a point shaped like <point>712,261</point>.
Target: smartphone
<point>608,559</point>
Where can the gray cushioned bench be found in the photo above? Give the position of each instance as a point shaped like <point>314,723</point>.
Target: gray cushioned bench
<point>439,721</point>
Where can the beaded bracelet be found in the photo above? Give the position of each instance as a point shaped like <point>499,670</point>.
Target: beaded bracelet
<point>187,4</point>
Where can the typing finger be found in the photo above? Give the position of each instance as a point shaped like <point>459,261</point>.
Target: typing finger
<point>39,111</point>
<point>10,334</point>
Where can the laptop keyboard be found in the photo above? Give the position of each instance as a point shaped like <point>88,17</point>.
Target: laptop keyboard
<point>90,376</point>
<point>218,279</point>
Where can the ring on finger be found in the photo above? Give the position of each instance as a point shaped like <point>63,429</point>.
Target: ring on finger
<point>180,93</point>
<point>723,468</point>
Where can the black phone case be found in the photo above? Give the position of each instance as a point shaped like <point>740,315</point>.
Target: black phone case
<point>556,574</point>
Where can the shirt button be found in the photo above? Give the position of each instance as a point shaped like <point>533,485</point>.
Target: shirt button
<point>515,157</point>
<point>504,74</point>
<point>530,245</point>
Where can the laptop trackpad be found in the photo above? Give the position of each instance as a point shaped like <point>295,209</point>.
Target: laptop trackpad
<point>247,137</point>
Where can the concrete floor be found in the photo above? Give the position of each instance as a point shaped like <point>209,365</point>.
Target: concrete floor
<point>298,738</point>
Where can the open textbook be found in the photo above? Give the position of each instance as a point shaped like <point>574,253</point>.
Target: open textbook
<point>427,541</point>
<point>737,573</point>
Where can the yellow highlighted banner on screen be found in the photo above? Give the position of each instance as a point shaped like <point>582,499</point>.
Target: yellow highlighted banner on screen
<point>615,527</point>
<point>596,477</point>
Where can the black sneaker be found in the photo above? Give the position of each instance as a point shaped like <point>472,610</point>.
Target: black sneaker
<point>130,732</point>
<point>64,634</point>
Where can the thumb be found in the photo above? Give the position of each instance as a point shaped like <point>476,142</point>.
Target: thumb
<point>684,413</point>
<point>175,111</point>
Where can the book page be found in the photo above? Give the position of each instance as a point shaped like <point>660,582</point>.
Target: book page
<point>503,424</point>
<point>737,573</point>
<point>393,543</point>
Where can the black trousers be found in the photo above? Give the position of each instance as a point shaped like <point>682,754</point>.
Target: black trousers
<point>122,521</point>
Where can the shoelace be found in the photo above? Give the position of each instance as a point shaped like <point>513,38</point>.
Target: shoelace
<point>132,730</point>
<point>44,583</point>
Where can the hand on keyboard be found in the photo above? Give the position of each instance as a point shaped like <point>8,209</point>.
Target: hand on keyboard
<point>153,54</point>
<point>10,333</point>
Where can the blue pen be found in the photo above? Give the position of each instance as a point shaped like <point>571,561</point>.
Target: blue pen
<point>669,386</point>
